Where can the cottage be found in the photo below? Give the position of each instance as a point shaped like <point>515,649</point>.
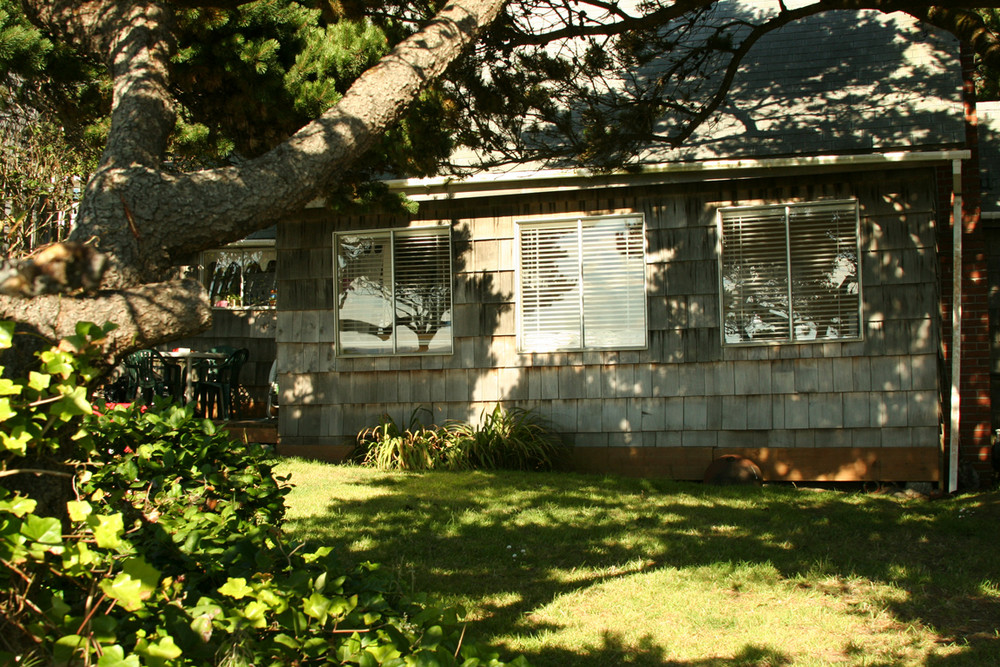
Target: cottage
<point>779,288</point>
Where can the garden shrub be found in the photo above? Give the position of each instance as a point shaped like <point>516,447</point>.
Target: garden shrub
<point>508,439</point>
<point>169,550</point>
<point>514,439</point>
<point>417,447</point>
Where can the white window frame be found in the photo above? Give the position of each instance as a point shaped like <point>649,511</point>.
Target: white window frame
<point>846,252</point>
<point>636,293</point>
<point>244,246</point>
<point>391,236</point>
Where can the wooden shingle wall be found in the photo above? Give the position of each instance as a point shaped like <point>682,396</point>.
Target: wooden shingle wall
<point>806,411</point>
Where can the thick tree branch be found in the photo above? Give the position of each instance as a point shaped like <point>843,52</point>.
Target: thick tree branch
<point>142,114</point>
<point>77,22</point>
<point>146,316</point>
<point>134,38</point>
<point>783,18</point>
<point>144,217</point>
<point>207,208</point>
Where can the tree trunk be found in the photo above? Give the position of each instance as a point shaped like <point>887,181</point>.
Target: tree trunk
<point>145,218</point>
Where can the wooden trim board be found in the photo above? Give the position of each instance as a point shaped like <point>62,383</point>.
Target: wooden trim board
<point>789,464</point>
<point>777,464</point>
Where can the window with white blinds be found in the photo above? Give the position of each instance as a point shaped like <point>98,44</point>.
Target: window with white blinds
<point>790,273</point>
<point>394,292</point>
<point>582,284</point>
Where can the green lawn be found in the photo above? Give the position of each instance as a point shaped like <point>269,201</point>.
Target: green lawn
<point>572,570</point>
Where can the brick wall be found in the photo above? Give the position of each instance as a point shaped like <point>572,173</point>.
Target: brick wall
<point>974,390</point>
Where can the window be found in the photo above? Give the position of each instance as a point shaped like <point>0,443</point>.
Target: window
<point>241,275</point>
<point>789,273</point>
<point>582,284</point>
<point>393,292</point>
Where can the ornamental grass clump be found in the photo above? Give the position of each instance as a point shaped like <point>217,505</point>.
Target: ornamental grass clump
<point>388,447</point>
<point>514,439</point>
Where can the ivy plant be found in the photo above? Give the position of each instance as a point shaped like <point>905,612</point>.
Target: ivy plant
<point>163,545</point>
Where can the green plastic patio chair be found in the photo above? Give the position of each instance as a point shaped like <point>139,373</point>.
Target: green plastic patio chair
<point>217,388</point>
<point>148,375</point>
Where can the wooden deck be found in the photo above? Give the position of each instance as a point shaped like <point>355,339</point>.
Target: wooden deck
<point>263,431</point>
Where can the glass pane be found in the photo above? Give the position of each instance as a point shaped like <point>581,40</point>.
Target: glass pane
<point>824,270</point>
<point>423,292</point>
<point>614,283</point>
<point>364,299</point>
<point>259,286</point>
<point>754,275</point>
<point>550,289</point>
<point>224,277</point>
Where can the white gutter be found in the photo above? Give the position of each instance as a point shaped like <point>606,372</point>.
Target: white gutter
<point>537,181</point>
<point>956,324</point>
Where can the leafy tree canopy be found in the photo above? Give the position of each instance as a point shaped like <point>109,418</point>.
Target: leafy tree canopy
<point>218,117</point>
<point>244,78</point>
<point>988,77</point>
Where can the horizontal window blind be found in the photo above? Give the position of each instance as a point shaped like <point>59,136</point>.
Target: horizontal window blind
<point>422,276</point>
<point>790,273</point>
<point>614,284</point>
<point>550,288</point>
<point>582,284</point>
<point>755,275</point>
<point>823,242</point>
<point>394,292</point>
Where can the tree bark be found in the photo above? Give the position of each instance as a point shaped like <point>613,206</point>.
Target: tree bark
<point>178,214</point>
<point>146,315</point>
<point>144,217</point>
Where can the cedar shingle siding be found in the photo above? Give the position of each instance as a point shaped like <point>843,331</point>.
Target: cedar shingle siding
<point>686,389</point>
<point>866,91</point>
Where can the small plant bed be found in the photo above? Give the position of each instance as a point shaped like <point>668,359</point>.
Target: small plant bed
<point>504,439</point>
<point>576,571</point>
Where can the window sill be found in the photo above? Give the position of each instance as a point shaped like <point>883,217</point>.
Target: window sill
<point>775,343</point>
<point>242,308</point>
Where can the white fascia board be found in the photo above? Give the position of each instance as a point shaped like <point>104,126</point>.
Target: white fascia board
<point>251,243</point>
<point>559,180</point>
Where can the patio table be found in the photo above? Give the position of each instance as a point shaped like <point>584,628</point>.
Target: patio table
<point>188,356</point>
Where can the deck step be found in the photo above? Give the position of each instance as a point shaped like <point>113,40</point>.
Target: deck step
<point>263,431</point>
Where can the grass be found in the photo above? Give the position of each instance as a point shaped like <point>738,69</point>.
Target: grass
<point>572,570</point>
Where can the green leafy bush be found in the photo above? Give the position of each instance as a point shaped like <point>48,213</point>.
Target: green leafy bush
<point>417,447</point>
<point>168,550</point>
<point>514,439</point>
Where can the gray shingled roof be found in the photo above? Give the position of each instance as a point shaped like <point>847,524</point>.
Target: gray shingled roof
<point>840,82</point>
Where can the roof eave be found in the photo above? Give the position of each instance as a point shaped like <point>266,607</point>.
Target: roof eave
<point>491,184</point>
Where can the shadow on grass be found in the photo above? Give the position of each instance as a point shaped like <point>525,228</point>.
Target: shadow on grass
<point>513,543</point>
<point>614,650</point>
